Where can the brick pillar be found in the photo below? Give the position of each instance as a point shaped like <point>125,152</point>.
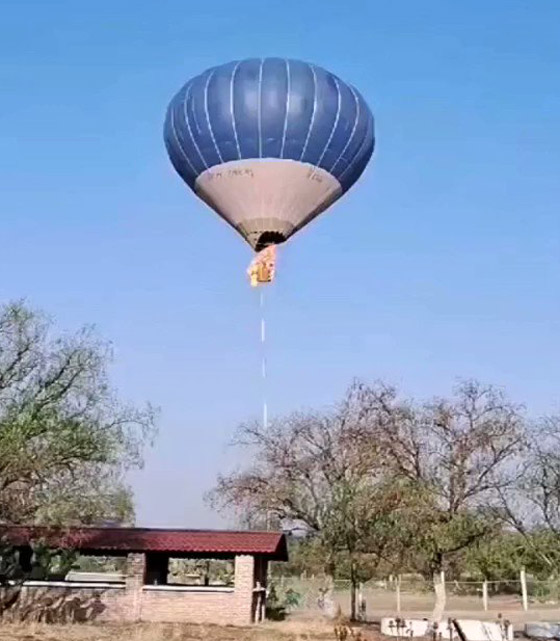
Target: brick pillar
<point>244,584</point>
<point>135,572</point>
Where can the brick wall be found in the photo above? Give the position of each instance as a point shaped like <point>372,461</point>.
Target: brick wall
<point>134,601</point>
<point>167,605</point>
<point>59,603</point>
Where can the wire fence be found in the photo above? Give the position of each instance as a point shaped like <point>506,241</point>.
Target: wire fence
<point>414,596</point>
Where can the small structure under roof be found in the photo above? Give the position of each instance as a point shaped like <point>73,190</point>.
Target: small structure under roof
<point>144,593</point>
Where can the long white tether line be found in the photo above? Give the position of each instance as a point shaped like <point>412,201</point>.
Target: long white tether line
<point>263,360</point>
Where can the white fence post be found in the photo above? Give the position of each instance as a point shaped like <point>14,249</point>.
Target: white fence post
<point>360,600</point>
<point>485,595</point>
<point>523,578</point>
<point>398,592</point>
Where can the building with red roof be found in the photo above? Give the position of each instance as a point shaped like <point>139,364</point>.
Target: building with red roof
<point>144,591</point>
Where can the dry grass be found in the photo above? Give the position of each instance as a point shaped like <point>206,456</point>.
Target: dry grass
<point>285,631</point>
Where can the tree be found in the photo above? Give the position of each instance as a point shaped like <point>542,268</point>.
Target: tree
<point>500,558</point>
<point>65,439</point>
<point>322,472</point>
<point>459,454</point>
<point>306,556</point>
<point>532,505</point>
<point>385,479</point>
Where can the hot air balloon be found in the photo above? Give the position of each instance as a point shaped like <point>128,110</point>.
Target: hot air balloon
<point>268,144</point>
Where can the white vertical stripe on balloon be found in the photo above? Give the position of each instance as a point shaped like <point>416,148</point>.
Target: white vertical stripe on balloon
<point>187,122</point>
<point>259,114</point>
<point>337,118</point>
<point>313,113</point>
<point>287,109</point>
<point>232,110</point>
<point>353,131</point>
<point>366,141</point>
<point>259,107</point>
<point>183,152</point>
<point>210,75</point>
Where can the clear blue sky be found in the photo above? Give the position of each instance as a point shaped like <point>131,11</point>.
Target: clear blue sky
<point>443,262</point>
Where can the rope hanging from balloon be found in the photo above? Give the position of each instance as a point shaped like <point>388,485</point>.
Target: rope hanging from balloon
<point>263,361</point>
<point>261,271</point>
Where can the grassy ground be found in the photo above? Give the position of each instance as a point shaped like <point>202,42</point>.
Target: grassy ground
<point>298,629</point>
<point>286,631</point>
<point>302,626</point>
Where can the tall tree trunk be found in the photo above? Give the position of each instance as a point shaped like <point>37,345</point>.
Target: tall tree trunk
<point>440,596</point>
<point>353,590</point>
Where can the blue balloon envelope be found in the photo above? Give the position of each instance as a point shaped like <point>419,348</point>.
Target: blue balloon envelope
<point>268,143</point>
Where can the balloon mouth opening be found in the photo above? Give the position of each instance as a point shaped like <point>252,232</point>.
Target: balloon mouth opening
<point>268,238</point>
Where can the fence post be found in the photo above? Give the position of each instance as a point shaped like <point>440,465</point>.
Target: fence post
<point>440,596</point>
<point>398,591</point>
<point>360,600</point>
<point>523,578</point>
<point>485,595</point>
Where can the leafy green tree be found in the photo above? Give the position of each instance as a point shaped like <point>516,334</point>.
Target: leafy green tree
<point>66,440</point>
<point>500,558</point>
<point>306,556</point>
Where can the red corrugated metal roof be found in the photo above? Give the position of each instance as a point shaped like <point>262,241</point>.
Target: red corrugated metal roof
<point>223,542</point>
